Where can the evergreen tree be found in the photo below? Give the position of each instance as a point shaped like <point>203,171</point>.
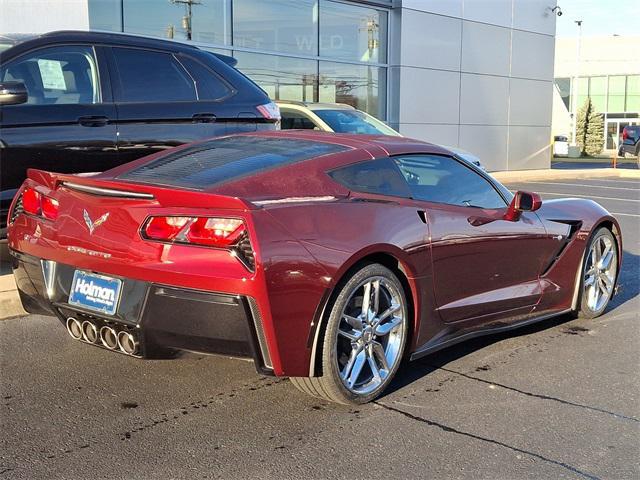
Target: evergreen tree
<point>595,134</point>
<point>582,121</point>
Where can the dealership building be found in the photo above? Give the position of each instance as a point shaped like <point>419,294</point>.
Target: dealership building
<point>475,74</point>
<point>605,69</point>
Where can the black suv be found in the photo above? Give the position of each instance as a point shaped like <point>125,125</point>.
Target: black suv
<point>85,101</point>
<point>630,141</point>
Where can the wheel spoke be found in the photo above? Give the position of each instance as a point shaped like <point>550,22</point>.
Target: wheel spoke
<point>374,366</point>
<point>389,311</point>
<point>353,335</point>
<point>384,328</point>
<point>589,281</point>
<point>355,323</point>
<point>356,370</point>
<point>366,299</point>
<point>378,351</point>
<point>605,261</point>
<point>607,283</point>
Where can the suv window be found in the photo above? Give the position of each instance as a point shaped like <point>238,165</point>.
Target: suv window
<point>56,75</point>
<point>149,76</point>
<point>208,84</point>
<point>293,120</point>
<point>441,179</point>
<point>379,176</point>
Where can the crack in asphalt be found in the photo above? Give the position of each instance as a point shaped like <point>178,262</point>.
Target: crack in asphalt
<point>539,395</point>
<point>448,429</point>
<point>178,412</point>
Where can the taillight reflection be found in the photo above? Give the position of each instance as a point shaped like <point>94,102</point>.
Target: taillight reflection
<point>206,231</point>
<point>35,203</point>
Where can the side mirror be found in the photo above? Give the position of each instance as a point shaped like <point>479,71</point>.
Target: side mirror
<point>13,93</point>
<point>522,202</point>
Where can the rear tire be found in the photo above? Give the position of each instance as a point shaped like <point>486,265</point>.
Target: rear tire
<point>599,273</point>
<point>364,340</point>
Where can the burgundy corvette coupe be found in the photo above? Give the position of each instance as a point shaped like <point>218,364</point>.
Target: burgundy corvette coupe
<point>325,258</point>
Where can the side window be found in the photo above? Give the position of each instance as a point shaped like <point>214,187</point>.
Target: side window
<point>379,176</point>
<point>149,76</point>
<point>208,84</point>
<point>293,120</point>
<point>441,179</point>
<point>56,75</point>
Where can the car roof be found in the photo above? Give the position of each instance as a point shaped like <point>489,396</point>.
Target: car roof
<point>315,105</point>
<point>112,38</point>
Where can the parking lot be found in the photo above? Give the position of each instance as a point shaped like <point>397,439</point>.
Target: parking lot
<point>560,399</point>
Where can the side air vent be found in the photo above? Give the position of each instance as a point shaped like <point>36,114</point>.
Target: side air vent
<point>244,252</point>
<point>17,209</point>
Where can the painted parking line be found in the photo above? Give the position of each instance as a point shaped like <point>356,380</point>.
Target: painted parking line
<point>625,214</point>
<point>617,199</point>
<point>637,189</point>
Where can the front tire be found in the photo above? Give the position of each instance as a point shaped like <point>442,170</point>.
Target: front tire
<point>364,338</point>
<point>599,272</point>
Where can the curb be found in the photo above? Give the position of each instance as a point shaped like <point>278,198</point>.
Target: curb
<point>10,305</point>
<point>561,174</point>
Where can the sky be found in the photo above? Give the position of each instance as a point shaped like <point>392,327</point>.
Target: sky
<point>600,17</point>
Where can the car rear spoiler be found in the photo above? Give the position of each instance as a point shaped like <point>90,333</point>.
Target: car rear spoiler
<point>165,196</point>
<point>232,62</point>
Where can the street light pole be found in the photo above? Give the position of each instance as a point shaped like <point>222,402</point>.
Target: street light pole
<point>574,98</point>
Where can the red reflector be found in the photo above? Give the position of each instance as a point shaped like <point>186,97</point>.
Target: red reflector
<point>165,228</point>
<point>215,232</point>
<point>31,201</point>
<point>49,208</point>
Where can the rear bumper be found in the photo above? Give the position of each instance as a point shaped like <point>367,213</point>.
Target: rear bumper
<point>160,316</point>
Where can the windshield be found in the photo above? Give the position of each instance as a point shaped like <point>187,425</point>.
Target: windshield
<point>354,121</point>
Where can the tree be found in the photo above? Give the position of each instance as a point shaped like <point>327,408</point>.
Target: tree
<point>595,132</point>
<point>582,121</point>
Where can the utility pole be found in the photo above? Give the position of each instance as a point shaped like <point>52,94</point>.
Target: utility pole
<point>574,93</point>
<point>186,20</point>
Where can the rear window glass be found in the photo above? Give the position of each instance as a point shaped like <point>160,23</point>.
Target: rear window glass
<point>224,159</point>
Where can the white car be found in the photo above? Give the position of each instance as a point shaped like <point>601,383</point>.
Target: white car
<point>342,118</point>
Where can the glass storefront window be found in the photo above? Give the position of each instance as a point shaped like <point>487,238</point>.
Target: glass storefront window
<point>209,21</point>
<point>615,102</point>
<point>564,87</point>
<point>360,86</point>
<point>105,15</point>
<point>280,25</point>
<point>633,93</point>
<point>354,33</point>
<point>283,78</point>
<point>598,93</point>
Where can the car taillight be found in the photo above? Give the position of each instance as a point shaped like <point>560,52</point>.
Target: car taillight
<point>49,207</point>
<point>206,231</point>
<point>270,111</point>
<point>35,203</point>
<point>31,201</point>
<point>625,134</point>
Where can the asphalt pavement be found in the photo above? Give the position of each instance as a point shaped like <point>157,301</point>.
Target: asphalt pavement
<point>560,399</point>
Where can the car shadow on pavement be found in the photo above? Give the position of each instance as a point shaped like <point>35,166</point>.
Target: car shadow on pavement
<point>410,372</point>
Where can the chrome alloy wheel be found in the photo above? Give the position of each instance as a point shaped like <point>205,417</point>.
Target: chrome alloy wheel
<point>600,273</point>
<point>370,335</point>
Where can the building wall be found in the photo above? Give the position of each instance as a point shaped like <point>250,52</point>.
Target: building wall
<point>477,74</point>
<point>40,16</point>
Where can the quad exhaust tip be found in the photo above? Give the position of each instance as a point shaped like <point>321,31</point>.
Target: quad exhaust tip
<point>127,343</point>
<point>87,331</point>
<point>90,332</point>
<point>109,337</point>
<point>74,327</point>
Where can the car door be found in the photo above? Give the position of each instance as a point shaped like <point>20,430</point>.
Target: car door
<point>68,122</point>
<point>485,268</point>
<point>164,99</point>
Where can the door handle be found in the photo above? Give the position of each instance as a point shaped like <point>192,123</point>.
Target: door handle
<point>203,118</point>
<point>93,121</point>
